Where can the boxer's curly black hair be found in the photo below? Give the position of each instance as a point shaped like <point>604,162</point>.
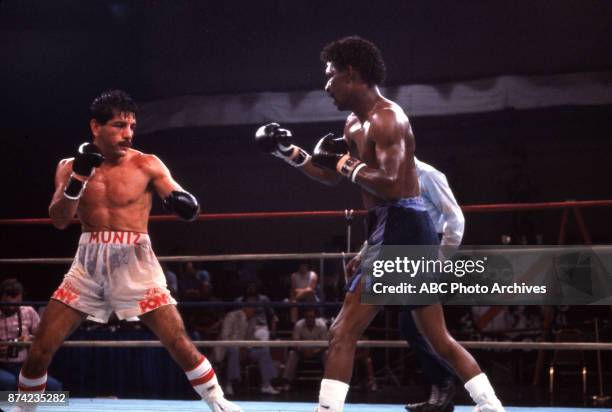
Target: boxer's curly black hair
<point>105,106</point>
<point>360,53</point>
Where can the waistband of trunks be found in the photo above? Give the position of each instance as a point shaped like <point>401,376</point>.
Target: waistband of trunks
<point>111,237</point>
<point>416,203</point>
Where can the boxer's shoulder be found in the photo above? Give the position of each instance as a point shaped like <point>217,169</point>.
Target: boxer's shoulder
<point>148,163</point>
<point>144,160</point>
<point>388,121</point>
<point>386,113</point>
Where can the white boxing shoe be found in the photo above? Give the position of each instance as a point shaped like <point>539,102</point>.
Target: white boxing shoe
<point>489,408</point>
<point>222,405</point>
<point>488,404</point>
<point>319,408</point>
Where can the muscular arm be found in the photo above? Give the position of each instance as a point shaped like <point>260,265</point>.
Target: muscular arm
<point>387,133</point>
<point>176,199</point>
<point>62,209</point>
<point>324,176</point>
<point>161,179</point>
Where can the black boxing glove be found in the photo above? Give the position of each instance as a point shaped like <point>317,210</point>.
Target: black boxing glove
<point>182,204</point>
<point>88,157</point>
<point>333,153</point>
<point>271,138</point>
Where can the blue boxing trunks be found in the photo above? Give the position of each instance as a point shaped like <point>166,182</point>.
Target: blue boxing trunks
<point>405,222</point>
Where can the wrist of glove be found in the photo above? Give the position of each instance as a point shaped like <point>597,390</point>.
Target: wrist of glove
<point>273,139</point>
<point>294,155</point>
<point>76,186</point>
<point>349,166</point>
<point>332,153</point>
<point>87,159</point>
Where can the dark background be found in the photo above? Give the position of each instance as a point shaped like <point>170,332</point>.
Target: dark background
<point>56,56</point>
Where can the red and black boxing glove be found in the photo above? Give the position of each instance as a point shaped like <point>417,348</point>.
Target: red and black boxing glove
<point>88,157</point>
<point>333,153</point>
<point>273,139</point>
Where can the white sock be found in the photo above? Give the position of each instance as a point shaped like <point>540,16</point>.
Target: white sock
<point>332,395</point>
<point>482,394</point>
<point>204,380</point>
<point>32,385</point>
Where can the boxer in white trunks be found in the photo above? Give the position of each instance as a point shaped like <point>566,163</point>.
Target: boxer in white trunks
<point>110,187</point>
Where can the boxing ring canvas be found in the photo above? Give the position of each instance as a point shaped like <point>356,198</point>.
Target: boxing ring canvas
<point>138,405</point>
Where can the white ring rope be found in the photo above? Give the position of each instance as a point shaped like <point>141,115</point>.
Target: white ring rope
<point>322,344</point>
<point>324,255</point>
<point>203,258</point>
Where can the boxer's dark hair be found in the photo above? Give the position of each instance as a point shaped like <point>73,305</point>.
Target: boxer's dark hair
<point>11,287</point>
<point>360,53</point>
<point>111,102</point>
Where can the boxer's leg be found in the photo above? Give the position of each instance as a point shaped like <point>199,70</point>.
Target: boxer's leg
<point>439,374</point>
<point>167,324</point>
<point>431,323</point>
<point>350,324</point>
<point>58,322</point>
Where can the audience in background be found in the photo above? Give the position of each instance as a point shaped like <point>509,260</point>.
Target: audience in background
<point>191,281</point>
<point>265,320</point>
<point>17,323</point>
<point>364,360</point>
<point>171,279</point>
<point>205,321</point>
<point>303,288</point>
<point>237,326</point>
<point>308,328</point>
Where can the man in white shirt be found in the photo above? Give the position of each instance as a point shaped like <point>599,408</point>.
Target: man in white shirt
<point>308,328</point>
<point>236,326</point>
<point>440,204</point>
<point>449,223</point>
<point>303,288</point>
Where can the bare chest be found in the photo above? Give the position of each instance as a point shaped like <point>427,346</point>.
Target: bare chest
<point>361,146</point>
<point>118,187</point>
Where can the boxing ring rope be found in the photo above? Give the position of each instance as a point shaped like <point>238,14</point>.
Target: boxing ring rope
<point>322,344</point>
<point>203,258</point>
<point>348,215</point>
<point>289,256</point>
<point>483,208</point>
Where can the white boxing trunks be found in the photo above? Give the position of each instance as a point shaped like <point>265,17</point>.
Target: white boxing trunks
<point>114,272</point>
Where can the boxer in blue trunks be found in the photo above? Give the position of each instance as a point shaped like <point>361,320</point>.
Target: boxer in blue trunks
<point>405,222</point>
<point>376,153</point>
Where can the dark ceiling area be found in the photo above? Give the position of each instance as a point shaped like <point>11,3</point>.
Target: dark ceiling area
<point>58,54</point>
